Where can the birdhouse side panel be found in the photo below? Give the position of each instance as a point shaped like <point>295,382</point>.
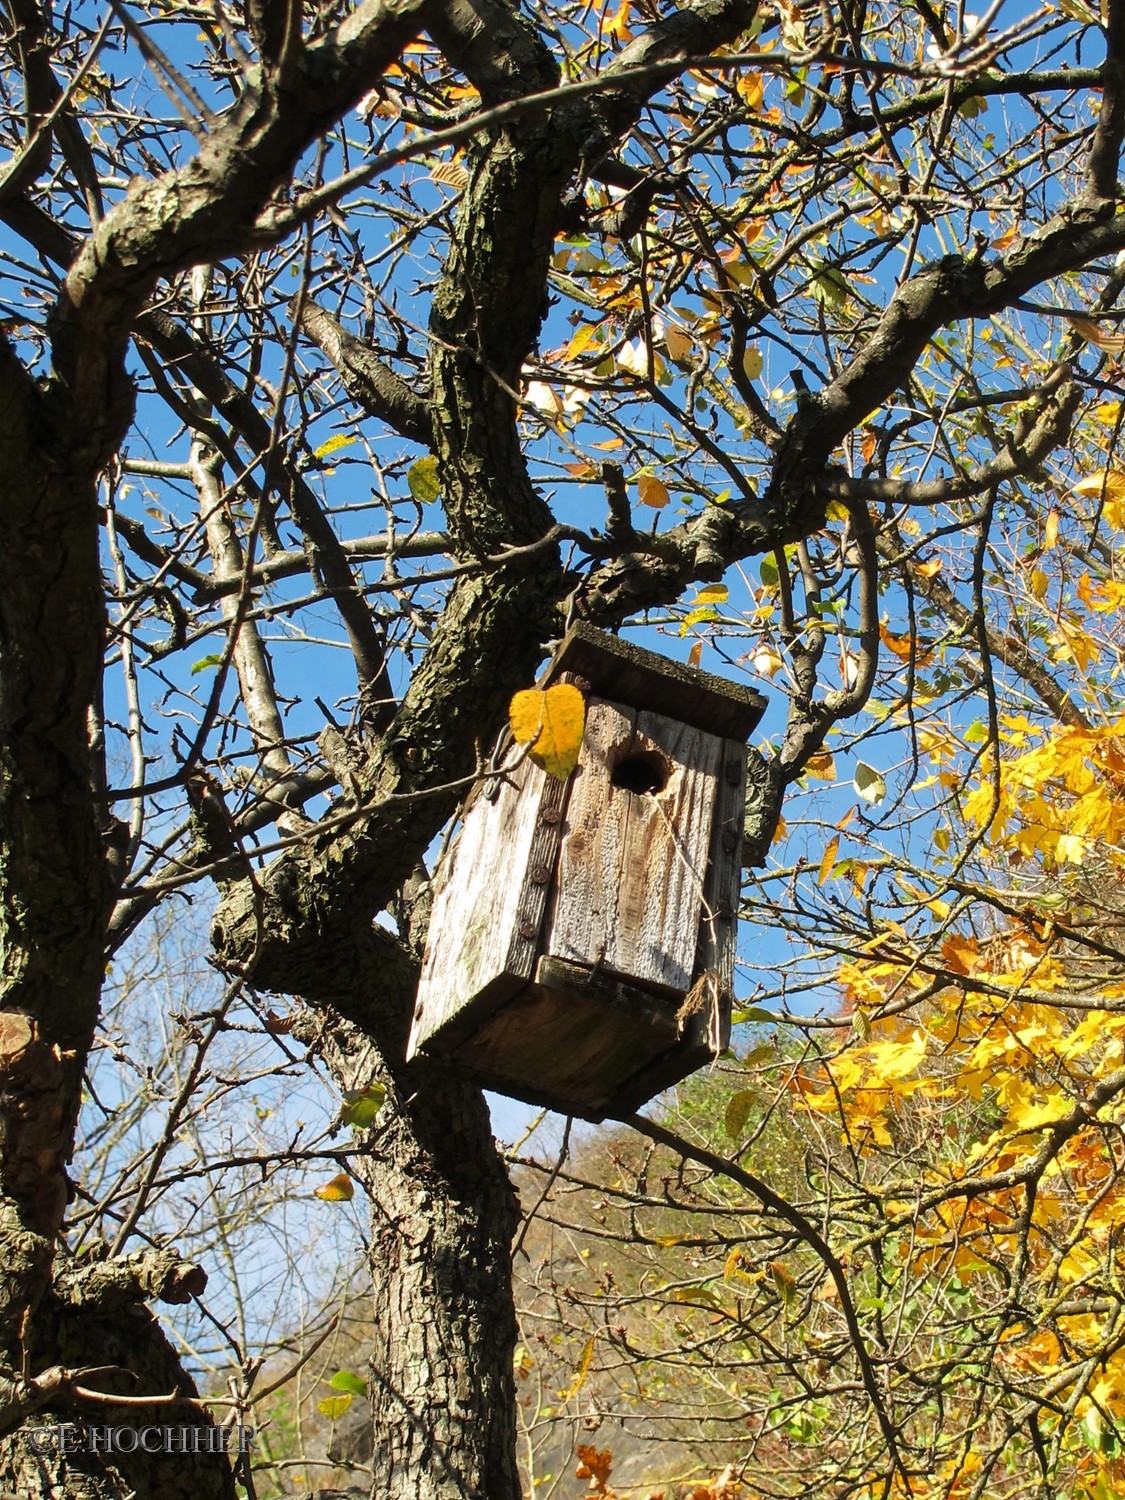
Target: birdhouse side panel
<point>722,891</point>
<point>492,890</point>
<point>634,852</point>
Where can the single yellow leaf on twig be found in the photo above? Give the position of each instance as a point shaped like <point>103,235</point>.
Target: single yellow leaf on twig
<point>334,1407</point>
<point>340,1190</point>
<point>828,860</point>
<point>1110,483</point>
<point>581,340</point>
<point>752,88</point>
<point>551,723</point>
<point>821,765</point>
<point>652,491</point>
<point>678,344</point>
<point>580,1374</point>
<point>712,593</point>
<point>738,1112</point>
<point>449,174</point>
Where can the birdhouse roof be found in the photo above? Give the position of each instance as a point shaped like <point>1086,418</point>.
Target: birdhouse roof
<point>627,673</point>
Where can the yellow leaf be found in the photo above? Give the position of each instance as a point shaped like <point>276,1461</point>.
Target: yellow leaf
<point>752,363</point>
<point>334,1406</point>
<point>451,175</point>
<point>652,491</point>
<point>695,655</point>
<point>1050,531</point>
<point>752,88</point>
<point>618,24</point>
<point>903,647</point>
<point>551,722</point>
<point>580,341</point>
<point>678,344</point>
<point>928,569</point>
<point>822,766</point>
<point>422,480</point>
<point>580,1374</point>
<point>340,1190</point>
<point>738,1112</point>
<point>712,593</point>
<point>1108,485</point>
<point>869,784</point>
<point>895,1060</point>
<point>1039,583</point>
<point>784,1281</point>
<point>767,660</point>
<point>334,444</point>
<point>828,860</point>
<point>1070,849</point>
<point>734,1268</point>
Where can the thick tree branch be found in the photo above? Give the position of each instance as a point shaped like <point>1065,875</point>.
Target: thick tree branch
<point>958,287</point>
<point>370,383</point>
<point>206,210</point>
<point>1105,152</point>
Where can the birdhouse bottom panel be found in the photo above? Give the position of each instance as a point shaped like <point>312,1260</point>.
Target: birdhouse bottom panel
<point>570,1037</point>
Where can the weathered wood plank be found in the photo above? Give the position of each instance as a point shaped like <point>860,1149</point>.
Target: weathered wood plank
<point>570,1038</point>
<point>488,911</point>
<point>632,864</point>
<point>705,1032</point>
<point>718,928</point>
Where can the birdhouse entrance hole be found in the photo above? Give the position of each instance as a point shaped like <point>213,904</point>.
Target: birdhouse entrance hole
<point>641,772</point>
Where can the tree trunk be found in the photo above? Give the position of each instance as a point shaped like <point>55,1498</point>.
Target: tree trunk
<point>443,1216</point>
<point>55,894</point>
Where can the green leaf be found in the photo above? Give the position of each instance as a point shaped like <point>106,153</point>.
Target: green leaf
<point>697,617</point>
<point>752,1013</point>
<point>699,1296</point>
<point>758,1055</point>
<point>334,1406</point>
<point>422,481</point>
<point>869,784</point>
<point>767,571</point>
<point>362,1105</point>
<point>738,1112</point>
<point>977,733</point>
<point>830,287</point>
<point>348,1380</point>
<point>204,662</point>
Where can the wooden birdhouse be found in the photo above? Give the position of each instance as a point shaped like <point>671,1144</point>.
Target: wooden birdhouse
<point>582,939</point>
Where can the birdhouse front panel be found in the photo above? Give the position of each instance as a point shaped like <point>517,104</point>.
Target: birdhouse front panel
<point>581,944</point>
<point>629,890</point>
